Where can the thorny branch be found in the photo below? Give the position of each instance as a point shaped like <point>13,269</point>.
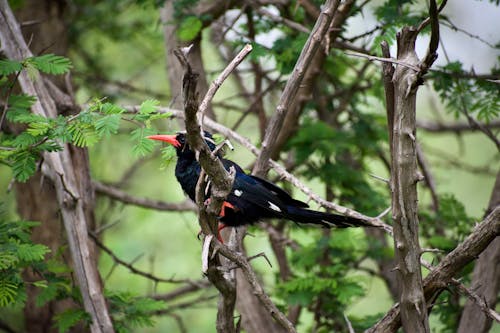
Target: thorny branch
<point>438,279</point>
<point>221,185</point>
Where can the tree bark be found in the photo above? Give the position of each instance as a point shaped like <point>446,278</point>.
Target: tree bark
<point>404,178</point>
<point>48,34</point>
<point>485,280</point>
<point>74,193</point>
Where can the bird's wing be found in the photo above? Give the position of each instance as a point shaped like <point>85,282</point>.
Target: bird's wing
<point>280,193</point>
<point>249,193</point>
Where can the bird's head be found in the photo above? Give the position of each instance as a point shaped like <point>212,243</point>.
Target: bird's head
<point>179,141</point>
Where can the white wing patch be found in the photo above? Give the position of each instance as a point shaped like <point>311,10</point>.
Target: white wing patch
<point>274,207</point>
<point>238,193</point>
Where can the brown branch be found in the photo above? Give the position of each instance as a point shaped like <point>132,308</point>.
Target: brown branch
<point>117,194</point>
<point>320,30</point>
<point>485,278</point>
<point>252,278</point>
<point>131,267</point>
<point>479,301</point>
<point>437,280</point>
<point>457,127</point>
<point>404,178</point>
<point>190,287</point>
<point>57,166</point>
<point>215,85</point>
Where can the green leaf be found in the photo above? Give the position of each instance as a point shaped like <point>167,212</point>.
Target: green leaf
<point>23,165</point>
<point>47,294</point>
<point>149,106</point>
<point>189,28</point>
<point>108,124</point>
<point>143,145</point>
<point>69,318</point>
<point>8,67</point>
<point>83,134</point>
<point>32,252</point>
<point>38,128</point>
<point>8,291</point>
<point>110,108</point>
<point>7,260</point>
<point>19,109</point>
<point>51,64</point>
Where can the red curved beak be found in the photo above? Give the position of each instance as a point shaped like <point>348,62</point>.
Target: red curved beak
<point>172,139</point>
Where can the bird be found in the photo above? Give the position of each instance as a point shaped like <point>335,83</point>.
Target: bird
<point>252,199</point>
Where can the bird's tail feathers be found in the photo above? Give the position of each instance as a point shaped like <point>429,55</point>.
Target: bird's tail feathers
<point>327,220</point>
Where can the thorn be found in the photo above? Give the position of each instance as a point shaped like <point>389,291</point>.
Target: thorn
<point>262,254</point>
<point>185,50</point>
<point>384,213</point>
<point>419,177</point>
<point>385,180</point>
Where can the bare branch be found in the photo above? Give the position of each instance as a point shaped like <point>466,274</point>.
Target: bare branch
<point>457,127</point>
<point>117,194</point>
<point>190,287</point>
<point>131,267</point>
<point>312,45</point>
<point>482,235</point>
<point>221,78</point>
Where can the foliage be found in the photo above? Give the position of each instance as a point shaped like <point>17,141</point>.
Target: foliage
<point>130,312</point>
<point>84,129</point>
<point>17,252</point>
<point>477,98</point>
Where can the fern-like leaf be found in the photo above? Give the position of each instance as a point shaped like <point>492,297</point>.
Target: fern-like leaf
<point>8,67</point>
<point>51,64</point>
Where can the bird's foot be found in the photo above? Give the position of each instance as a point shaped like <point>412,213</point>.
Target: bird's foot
<point>219,228</point>
<point>225,205</point>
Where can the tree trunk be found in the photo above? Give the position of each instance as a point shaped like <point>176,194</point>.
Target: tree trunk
<point>404,178</point>
<point>69,172</point>
<point>48,34</point>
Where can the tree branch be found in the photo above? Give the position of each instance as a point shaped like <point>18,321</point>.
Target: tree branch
<point>117,194</point>
<point>457,127</point>
<point>312,45</point>
<point>437,279</point>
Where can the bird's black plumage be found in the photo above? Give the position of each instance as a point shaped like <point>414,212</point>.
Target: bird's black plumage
<point>251,198</point>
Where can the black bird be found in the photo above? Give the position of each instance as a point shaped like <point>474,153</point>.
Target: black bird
<point>251,198</point>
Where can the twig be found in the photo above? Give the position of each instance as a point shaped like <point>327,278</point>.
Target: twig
<point>389,60</point>
<point>457,127</point>
<point>287,97</point>
<point>480,302</point>
<point>190,287</point>
<point>220,79</point>
<point>117,194</point>
<point>131,267</point>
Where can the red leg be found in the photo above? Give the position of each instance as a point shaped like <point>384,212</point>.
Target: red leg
<point>225,205</point>
<point>219,228</point>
